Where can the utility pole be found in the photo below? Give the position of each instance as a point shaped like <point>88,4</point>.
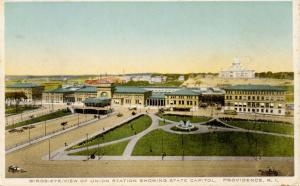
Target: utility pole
<point>78,119</point>
<point>98,150</point>
<point>29,133</point>
<point>52,104</point>
<point>49,148</point>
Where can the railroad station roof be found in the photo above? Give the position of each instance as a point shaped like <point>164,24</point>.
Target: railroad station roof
<point>184,92</point>
<point>255,88</point>
<point>23,85</point>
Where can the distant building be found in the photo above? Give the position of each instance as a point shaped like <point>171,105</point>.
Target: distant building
<point>158,79</point>
<point>109,79</point>
<point>261,99</point>
<point>181,78</point>
<point>144,77</point>
<point>237,71</point>
<point>32,91</point>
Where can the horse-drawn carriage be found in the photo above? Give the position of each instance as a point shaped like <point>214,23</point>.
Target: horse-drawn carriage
<point>268,172</point>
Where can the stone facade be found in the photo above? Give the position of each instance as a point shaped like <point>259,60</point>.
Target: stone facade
<point>255,99</point>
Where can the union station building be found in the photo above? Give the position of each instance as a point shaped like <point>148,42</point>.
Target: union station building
<point>260,99</point>
<point>175,98</point>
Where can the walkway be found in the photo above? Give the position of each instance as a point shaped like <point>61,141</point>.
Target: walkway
<point>129,148</point>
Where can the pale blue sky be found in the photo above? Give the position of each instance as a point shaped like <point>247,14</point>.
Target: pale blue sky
<point>99,37</point>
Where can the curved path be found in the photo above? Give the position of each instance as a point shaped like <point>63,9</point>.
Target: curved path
<point>129,148</point>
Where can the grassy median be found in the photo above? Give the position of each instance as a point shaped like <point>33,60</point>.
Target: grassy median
<point>266,126</point>
<point>53,115</point>
<point>13,110</point>
<point>130,128</point>
<point>213,144</point>
<point>116,149</point>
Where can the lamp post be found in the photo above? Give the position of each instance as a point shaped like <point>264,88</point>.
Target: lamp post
<point>87,147</point>
<point>182,147</point>
<point>45,128</point>
<point>162,146</point>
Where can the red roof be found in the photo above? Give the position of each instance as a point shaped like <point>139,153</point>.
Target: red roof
<point>98,81</point>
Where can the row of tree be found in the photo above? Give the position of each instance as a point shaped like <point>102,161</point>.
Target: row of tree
<point>275,75</point>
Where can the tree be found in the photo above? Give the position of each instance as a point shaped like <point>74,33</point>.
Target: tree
<point>16,97</point>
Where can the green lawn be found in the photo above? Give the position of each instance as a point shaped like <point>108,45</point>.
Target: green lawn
<point>130,128</point>
<point>177,118</point>
<point>11,110</point>
<point>53,115</point>
<point>213,144</point>
<point>277,127</point>
<point>116,149</point>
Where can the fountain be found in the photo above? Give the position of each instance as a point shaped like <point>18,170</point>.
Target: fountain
<point>185,125</point>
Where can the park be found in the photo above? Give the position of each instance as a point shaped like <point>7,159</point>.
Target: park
<point>154,135</point>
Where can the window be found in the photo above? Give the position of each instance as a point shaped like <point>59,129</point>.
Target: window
<point>262,110</point>
<point>279,111</point>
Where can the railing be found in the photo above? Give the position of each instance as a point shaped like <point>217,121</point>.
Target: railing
<point>19,118</point>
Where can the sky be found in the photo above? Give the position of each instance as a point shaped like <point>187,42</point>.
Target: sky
<point>73,38</point>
